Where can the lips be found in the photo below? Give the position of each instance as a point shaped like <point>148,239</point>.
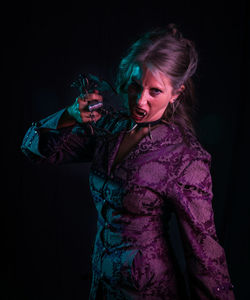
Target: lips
<point>138,113</point>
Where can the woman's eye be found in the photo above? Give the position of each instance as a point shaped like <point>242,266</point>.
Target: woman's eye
<point>155,91</point>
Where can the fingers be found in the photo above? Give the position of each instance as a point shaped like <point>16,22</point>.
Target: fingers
<point>79,109</point>
<point>90,116</point>
<point>83,102</point>
<point>92,96</point>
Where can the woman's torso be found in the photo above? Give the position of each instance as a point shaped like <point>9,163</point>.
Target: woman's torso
<point>128,180</point>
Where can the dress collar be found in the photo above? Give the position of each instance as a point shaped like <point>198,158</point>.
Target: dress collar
<point>133,125</point>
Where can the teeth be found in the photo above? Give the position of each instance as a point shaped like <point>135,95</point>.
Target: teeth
<point>141,112</point>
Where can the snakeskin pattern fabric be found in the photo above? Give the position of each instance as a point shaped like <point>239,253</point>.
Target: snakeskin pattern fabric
<point>133,257</point>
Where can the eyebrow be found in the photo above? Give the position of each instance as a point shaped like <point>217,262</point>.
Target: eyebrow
<point>137,82</point>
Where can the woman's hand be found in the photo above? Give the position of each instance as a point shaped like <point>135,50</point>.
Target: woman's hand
<point>79,110</point>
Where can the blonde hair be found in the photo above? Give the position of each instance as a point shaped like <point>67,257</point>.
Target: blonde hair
<point>168,52</point>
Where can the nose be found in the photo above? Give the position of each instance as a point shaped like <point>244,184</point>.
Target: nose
<point>142,98</point>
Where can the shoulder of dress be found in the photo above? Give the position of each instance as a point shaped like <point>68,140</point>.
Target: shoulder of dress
<point>197,150</point>
<point>167,134</point>
<point>188,143</point>
<point>194,151</point>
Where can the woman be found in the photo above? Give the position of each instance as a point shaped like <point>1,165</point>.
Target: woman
<point>151,166</point>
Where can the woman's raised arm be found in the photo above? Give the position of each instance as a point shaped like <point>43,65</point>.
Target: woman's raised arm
<point>56,140</point>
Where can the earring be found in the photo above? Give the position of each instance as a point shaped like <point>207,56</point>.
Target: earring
<point>173,106</point>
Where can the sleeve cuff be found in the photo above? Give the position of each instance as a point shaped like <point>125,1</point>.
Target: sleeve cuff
<point>224,288</point>
<point>31,139</point>
<point>51,122</point>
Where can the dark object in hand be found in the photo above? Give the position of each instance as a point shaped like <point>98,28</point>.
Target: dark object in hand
<point>87,83</point>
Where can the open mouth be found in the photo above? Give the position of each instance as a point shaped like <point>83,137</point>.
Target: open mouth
<point>138,113</point>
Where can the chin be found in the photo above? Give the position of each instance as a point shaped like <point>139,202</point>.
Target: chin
<point>137,119</point>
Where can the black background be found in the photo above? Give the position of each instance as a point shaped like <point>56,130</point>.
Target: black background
<point>49,216</point>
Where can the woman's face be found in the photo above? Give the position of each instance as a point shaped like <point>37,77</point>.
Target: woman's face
<point>148,96</point>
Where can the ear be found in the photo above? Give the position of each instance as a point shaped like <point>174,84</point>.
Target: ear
<point>177,94</point>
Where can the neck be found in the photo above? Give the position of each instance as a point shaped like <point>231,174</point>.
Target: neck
<point>143,125</point>
<point>152,123</point>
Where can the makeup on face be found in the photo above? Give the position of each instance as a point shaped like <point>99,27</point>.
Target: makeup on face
<point>148,96</point>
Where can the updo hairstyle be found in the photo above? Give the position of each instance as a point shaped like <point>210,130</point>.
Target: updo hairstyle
<point>165,50</point>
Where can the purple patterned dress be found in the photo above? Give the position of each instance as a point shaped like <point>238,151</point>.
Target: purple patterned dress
<point>133,257</point>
